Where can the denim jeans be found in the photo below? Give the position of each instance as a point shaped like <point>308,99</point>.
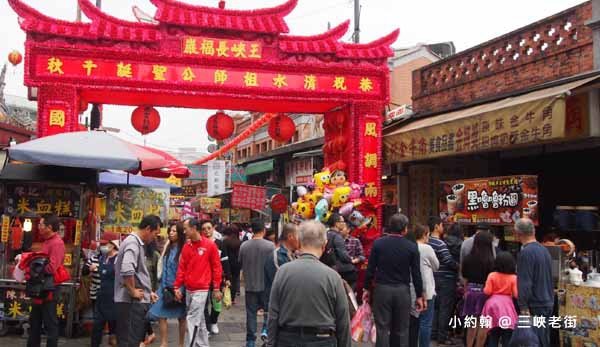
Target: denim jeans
<point>254,301</point>
<point>445,288</point>
<point>285,339</point>
<point>425,320</point>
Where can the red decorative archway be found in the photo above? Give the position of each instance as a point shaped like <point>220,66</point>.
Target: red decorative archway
<point>217,58</point>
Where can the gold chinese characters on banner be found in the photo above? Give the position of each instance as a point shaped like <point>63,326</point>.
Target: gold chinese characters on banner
<point>459,133</point>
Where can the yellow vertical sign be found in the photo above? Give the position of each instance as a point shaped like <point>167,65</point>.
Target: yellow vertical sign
<point>77,233</point>
<point>5,228</point>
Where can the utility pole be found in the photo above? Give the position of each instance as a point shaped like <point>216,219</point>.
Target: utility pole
<point>356,35</point>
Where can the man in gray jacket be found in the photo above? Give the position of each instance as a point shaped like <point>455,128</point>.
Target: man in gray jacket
<point>133,288</point>
<point>308,302</point>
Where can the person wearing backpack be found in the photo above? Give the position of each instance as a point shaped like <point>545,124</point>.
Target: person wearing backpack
<point>43,308</point>
<point>335,254</point>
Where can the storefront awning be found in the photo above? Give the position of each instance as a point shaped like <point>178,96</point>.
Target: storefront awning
<point>259,167</point>
<point>535,117</point>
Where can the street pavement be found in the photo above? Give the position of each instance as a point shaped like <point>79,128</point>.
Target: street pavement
<point>232,326</point>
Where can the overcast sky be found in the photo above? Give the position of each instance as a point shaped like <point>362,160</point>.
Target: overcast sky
<point>465,22</point>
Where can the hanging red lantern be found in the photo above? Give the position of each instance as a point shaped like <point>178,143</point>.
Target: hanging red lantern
<point>282,128</point>
<point>15,57</point>
<point>220,126</point>
<point>145,119</point>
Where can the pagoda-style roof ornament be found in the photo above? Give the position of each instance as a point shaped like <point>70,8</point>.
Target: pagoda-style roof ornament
<point>377,49</point>
<point>34,21</point>
<point>108,27</point>
<point>266,21</point>
<point>327,42</point>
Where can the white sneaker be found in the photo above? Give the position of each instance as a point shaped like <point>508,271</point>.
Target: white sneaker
<point>214,329</point>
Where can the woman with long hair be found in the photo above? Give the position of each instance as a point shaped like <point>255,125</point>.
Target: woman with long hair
<point>170,262</point>
<point>232,243</point>
<point>477,265</point>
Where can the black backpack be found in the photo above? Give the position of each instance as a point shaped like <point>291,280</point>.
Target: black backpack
<point>329,257</point>
<point>39,282</point>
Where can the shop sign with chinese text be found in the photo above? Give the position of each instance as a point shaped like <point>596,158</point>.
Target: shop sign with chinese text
<point>529,123</point>
<point>126,206</point>
<point>252,197</point>
<point>209,205</point>
<point>39,199</point>
<point>495,200</point>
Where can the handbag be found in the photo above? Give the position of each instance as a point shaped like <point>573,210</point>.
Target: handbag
<point>169,296</point>
<point>61,275</point>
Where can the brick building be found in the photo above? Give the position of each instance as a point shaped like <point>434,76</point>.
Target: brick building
<point>526,102</point>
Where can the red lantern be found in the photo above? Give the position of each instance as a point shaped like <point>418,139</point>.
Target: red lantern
<point>15,57</point>
<point>279,203</point>
<point>220,126</point>
<point>282,128</point>
<point>145,119</point>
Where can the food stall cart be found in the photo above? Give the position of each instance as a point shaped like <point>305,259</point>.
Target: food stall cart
<point>27,193</point>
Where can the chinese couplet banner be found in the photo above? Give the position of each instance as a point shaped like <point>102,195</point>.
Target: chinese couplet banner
<point>126,206</point>
<point>459,133</point>
<point>495,200</point>
<point>252,197</point>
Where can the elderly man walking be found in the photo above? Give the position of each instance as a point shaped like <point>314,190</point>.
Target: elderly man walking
<point>308,305</point>
<point>534,278</point>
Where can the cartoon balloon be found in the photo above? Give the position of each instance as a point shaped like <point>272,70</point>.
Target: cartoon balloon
<point>301,190</point>
<point>322,210</point>
<point>346,209</point>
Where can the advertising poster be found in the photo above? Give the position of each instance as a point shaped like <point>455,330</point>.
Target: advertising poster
<point>494,200</point>
<point>126,206</point>
<point>252,197</point>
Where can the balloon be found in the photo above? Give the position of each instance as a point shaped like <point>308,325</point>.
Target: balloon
<point>338,178</point>
<point>322,210</point>
<point>358,220</point>
<point>305,209</point>
<point>346,209</point>
<point>355,191</point>
<point>322,179</point>
<point>340,196</point>
<point>301,190</point>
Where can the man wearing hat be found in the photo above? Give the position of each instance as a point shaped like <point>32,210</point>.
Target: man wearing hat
<point>104,311</point>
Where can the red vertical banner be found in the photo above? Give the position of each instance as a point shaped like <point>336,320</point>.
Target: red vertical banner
<point>55,117</point>
<point>370,159</point>
<point>58,110</point>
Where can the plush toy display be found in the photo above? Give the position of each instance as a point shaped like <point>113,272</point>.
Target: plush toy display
<point>331,192</point>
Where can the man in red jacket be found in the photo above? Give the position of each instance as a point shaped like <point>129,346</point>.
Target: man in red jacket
<point>199,267</point>
<point>44,309</point>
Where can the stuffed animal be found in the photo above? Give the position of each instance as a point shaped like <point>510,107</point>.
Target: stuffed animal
<point>356,191</point>
<point>340,196</point>
<point>322,179</point>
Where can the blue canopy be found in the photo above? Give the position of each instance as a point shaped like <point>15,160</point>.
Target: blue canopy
<point>113,178</point>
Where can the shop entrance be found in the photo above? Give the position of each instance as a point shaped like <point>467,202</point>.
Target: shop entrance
<point>215,58</point>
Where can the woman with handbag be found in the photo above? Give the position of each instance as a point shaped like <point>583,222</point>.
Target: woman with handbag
<point>167,306</point>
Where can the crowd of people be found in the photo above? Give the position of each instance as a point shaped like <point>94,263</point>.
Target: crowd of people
<point>417,282</point>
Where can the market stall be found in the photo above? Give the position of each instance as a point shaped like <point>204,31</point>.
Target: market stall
<point>27,193</point>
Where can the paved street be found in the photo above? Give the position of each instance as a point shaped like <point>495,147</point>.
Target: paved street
<point>232,326</point>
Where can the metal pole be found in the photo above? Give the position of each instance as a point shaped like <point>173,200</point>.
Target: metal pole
<point>356,36</point>
<point>99,3</point>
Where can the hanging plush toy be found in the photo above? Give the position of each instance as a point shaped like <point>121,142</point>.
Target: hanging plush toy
<point>340,197</point>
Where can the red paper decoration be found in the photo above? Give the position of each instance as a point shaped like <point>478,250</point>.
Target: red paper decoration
<point>279,203</point>
<point>15,57</point>
<point>220,126</point>
<point>282,128</point>
<point>145,119</point>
